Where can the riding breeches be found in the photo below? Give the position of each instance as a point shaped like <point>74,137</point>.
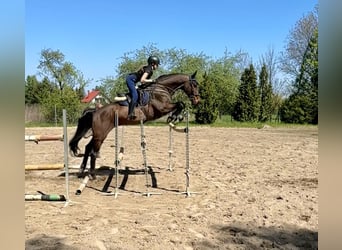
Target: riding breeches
<point>131,80</point>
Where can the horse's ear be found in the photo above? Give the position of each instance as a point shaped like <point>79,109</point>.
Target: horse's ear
<point>194,75</point>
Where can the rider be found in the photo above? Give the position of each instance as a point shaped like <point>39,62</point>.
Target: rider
<point>143,75</point>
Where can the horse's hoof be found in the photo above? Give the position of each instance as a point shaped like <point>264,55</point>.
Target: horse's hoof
<point>92,177</point>
<point>80,176</point>
<point>170,119</point>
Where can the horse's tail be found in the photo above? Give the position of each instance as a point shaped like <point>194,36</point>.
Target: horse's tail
<point>83,126</point>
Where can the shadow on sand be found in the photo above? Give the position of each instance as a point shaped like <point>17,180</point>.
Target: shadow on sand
<point>46,242</point>
<point>248,237</point>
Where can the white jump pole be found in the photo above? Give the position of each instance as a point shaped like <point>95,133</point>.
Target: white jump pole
<point>83,185</point>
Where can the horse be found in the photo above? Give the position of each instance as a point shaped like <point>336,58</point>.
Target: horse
<point>159,103</point>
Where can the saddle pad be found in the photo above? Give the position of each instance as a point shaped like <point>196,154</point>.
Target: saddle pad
<point>144,98</point>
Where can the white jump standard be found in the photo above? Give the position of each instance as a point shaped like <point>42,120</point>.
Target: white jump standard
<point>187,152</point>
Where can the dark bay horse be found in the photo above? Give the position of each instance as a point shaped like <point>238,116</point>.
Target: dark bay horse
<point>159,103</point>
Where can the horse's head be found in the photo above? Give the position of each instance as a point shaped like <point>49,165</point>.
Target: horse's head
<point>173,82</point>
<point>191,89</point>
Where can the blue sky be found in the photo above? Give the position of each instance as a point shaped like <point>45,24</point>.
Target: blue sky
<point>93,35</point>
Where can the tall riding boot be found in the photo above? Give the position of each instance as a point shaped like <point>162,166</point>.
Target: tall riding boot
<point>131,115</point>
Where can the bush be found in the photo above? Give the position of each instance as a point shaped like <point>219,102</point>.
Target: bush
<point>298,109</point>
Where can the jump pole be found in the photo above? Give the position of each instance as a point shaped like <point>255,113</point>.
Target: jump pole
<point>187,153</point>
<point>83,185</point>
<point>44,197</point>
<point>38,138</point>
<point>57,166</point>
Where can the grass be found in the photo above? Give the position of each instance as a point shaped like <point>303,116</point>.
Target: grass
<point>223,122</point>
<point>226,122</point>
<point>41,124</point>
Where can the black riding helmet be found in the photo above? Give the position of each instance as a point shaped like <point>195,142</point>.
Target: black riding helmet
<point>153,59</point>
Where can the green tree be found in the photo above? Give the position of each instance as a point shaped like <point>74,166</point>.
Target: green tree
<point>303,102</point>
<point>62,73</point>
<point>188,64</point>
<point>31,90</point>
<point>224,74</point>
<point>207,110</point>
<point>36,91</point>
<point>293,109</point>
<point>66,84</point>
<point>52,65</point>
<point>248,102</point>
<point>266,107</point>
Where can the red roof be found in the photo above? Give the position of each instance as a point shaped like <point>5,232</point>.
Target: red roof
<point>91,95</point>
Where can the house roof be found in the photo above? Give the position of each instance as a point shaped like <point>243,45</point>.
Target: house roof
<point>91,95</point>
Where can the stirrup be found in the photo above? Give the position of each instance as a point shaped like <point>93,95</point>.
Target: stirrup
<point>131,117</point>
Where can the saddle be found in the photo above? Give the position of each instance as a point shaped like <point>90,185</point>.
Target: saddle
<point>143,98</point>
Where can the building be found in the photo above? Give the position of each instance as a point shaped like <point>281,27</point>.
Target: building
<point>94,98</point>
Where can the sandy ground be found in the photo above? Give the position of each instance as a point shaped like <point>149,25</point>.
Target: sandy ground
<point>257,189</point>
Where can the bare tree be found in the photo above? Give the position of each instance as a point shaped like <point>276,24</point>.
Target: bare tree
<point>297,41</point>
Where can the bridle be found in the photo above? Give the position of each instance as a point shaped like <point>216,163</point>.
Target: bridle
<point>193,84</point>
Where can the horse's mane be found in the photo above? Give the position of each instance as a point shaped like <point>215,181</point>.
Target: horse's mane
<point>164,78</point>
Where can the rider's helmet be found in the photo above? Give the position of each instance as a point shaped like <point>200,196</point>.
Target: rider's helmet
<point>153,59</point>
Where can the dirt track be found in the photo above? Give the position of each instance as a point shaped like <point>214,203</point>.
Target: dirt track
<point>258,188</point>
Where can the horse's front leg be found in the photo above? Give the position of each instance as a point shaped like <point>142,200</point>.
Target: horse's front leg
<point>83,165</point>
<point>176,113</point>
<point>93,155</point>
<point>92,165</point>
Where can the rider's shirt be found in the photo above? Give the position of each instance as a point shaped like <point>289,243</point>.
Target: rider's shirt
<point>145,69</point>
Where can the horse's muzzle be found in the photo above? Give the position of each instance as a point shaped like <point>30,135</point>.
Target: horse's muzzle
<point>195,100</point>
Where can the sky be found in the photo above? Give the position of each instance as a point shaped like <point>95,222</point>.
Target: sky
<point>93,35</point>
